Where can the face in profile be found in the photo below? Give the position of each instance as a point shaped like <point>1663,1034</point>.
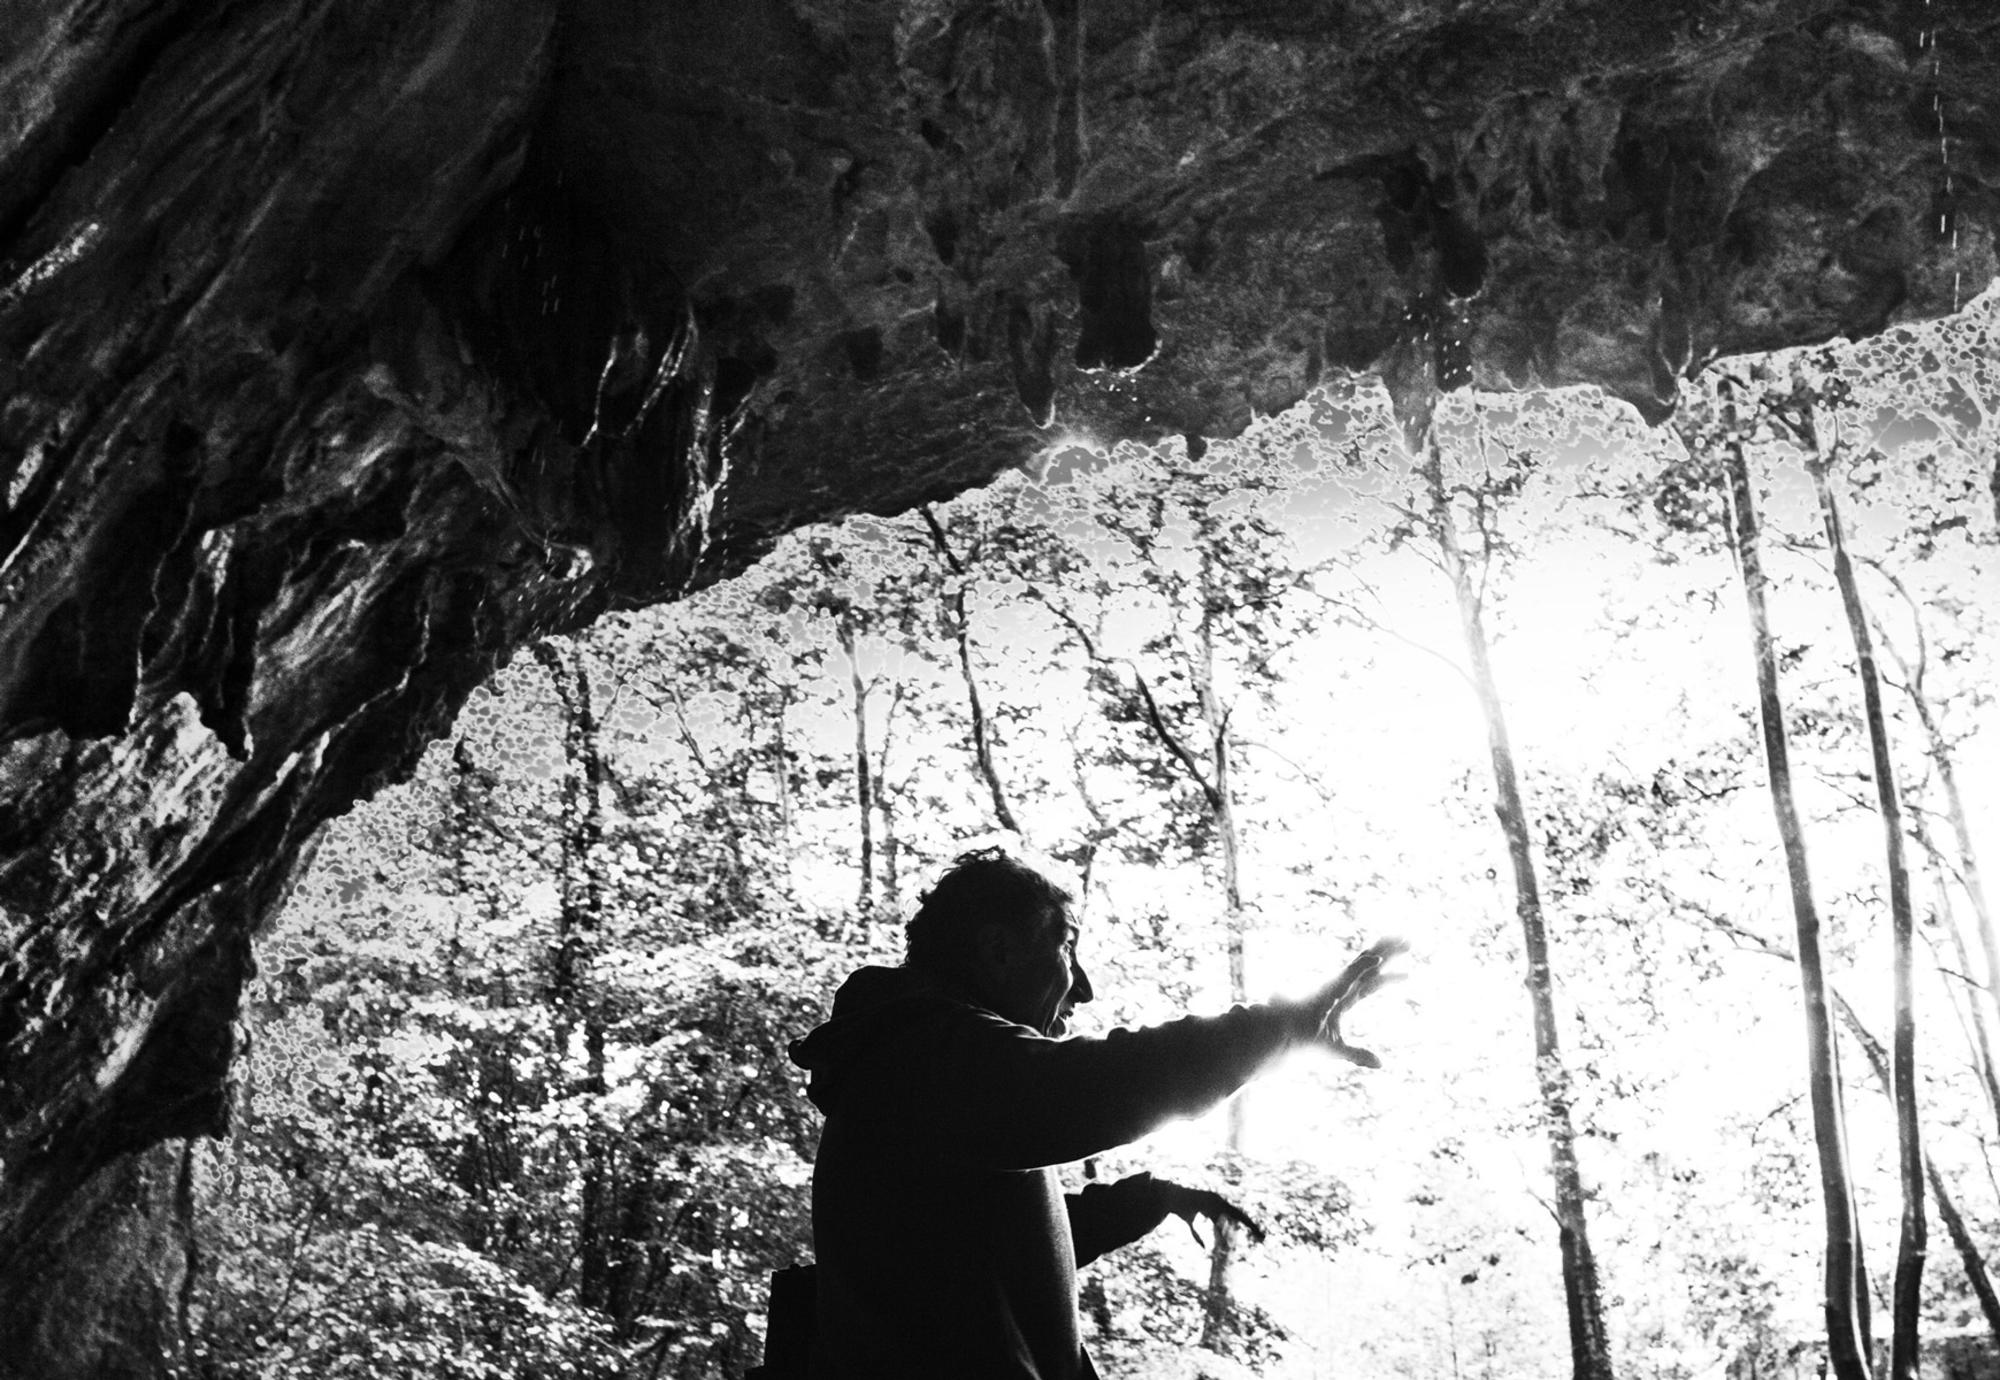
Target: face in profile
<point>1038,981</point>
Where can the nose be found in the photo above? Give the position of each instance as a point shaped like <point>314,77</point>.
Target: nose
<point>1080,990</point>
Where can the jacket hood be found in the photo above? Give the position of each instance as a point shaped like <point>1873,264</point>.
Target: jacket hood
<point>872,1006</point>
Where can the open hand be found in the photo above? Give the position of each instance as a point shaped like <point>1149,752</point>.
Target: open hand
<point>1357,980</point>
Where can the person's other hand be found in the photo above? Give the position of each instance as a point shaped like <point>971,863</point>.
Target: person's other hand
<point>1189,1203</point>
<point>1358,979</point>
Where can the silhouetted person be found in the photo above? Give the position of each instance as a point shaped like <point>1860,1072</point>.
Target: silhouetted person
<point>945,1248</point>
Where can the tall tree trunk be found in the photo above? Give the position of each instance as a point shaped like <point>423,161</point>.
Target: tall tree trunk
<point>783,768</point>
<point>1222,808</point>
<point>1967,862</point>
<point>461,823</point>
<point>1911,1235</point>
<point>571,990</point>
<point>982,733</point>
<point>626,1279</point>
<point>490,1158</point>
<point>1954,1222</point>
<point>864,783</point>
<point>891,850</point>
<point>1590,1352</point>
<point>1207,768</point>
<point>1878,1060</point>
<point>1975,1008</point>
<point>1939,749</point>
<point>1848,1342</point>
<point>892,857</point>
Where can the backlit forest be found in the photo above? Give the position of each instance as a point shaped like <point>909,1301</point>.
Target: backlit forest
<point>1672,751</point>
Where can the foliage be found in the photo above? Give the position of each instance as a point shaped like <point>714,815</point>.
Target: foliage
<point>518,1102</point>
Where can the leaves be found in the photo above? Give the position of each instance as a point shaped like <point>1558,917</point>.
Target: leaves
<point>434,1134</point>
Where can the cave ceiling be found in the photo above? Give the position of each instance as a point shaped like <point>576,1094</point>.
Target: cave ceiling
<point>347,346</point>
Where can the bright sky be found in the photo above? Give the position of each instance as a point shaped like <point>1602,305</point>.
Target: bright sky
<point>1609,658</point>
<point>1579,697</point>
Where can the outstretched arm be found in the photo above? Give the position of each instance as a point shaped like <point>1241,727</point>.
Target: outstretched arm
<point>1106,1216</point>
<point>997,1094</point>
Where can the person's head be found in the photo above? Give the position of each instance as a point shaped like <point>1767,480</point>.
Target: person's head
<point>997,927</point>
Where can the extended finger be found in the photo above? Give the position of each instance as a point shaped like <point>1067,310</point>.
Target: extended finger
<point>1219,1209</point>
<point>1355,1054</point>
<point>1368,984</point>
<point>1358,968</point>
<point>1243,1220</point>
<point>1329,1024</point>
<point>1330,1032</point>
<point>1369,962</point>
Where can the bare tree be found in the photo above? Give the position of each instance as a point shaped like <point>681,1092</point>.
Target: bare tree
<point>1964,863</point>
<point>1847,1322</point>
<point>1801,412</point>
<point>961,632</point>
<point>571,993</point>
<point>1226,619</point>
<point>864,773</point>
<point>1962,1240</point>
<point>1590,1352</point>
<point>1221,798</point>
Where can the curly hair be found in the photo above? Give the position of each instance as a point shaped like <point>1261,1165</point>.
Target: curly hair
<point>984,886</point>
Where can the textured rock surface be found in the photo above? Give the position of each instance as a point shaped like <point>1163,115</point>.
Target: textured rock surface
<point>347,344</point>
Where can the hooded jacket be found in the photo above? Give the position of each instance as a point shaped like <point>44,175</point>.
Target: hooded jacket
<point>945,1248</point>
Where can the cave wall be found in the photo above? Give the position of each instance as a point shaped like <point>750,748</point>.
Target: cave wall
<point>346,346</point>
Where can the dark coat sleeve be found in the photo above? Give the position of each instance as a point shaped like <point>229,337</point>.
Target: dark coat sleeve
<point>982,1091</point>
<point>1106,1216</point>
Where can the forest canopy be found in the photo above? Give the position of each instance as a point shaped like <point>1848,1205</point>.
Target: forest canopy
<point>516,1099</point>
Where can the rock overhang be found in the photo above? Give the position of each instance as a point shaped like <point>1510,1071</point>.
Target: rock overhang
<point>344,350</point>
